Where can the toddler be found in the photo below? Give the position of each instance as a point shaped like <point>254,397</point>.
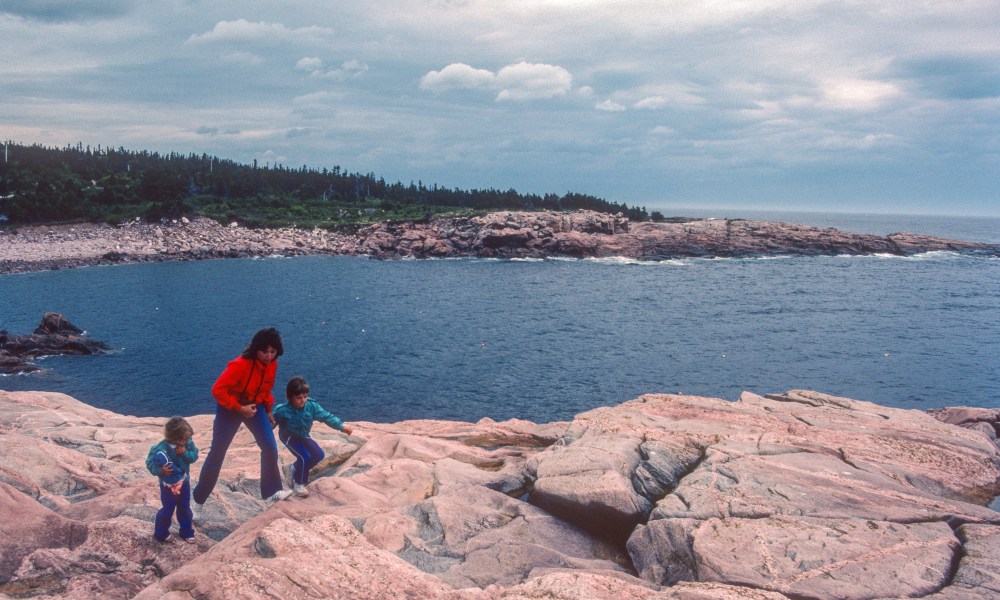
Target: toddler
<point>294,420</point>
<point>170,460</point>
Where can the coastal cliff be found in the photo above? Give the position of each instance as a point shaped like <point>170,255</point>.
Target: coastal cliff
<point>579,234</point>
<point>790,496</point>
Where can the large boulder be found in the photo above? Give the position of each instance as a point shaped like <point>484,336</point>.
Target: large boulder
<point>55,323</point>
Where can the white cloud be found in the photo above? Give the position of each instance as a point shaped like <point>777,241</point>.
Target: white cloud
<point>609,106</point>
<point>525,81</point>
<point>457,76</point>
<point>242,30</point>
<point>651,103</point>
<point>316,66</point>
<point>521,81</point>
<point>858,94</point>
<point>309,64</point>
<point>349,68</point>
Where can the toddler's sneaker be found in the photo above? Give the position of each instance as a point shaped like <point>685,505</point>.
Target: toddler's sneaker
<point>277,497</point>
<point>190,540</point>
<point>300,490</point>
<point>165,540</point>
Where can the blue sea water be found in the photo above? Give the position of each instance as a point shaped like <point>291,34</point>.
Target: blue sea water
<point>539,340</point>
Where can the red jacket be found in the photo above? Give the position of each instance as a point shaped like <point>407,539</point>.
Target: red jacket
<point>249,375</point>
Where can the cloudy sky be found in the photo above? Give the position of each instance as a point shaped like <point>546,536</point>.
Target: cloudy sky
<point>849,105</point>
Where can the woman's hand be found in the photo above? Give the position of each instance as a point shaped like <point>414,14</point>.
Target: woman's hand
<point>248,411</point>
<point>167,470</point>
<point>273,422</point>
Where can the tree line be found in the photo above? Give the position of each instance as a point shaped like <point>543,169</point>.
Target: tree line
<point>41,184</point>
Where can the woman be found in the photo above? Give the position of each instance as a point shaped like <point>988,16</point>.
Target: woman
<point>243,396</point>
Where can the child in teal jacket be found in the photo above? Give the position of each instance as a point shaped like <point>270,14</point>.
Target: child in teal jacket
<point>170,460</point>
<point>295,420</point>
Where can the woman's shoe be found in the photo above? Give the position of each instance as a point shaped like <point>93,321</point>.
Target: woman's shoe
<point>277,497</point>
<point>197,510</point>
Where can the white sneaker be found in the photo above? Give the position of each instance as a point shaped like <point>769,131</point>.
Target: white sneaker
<point>197,510</point>
<point>277,497</point>
<point>300,490</point>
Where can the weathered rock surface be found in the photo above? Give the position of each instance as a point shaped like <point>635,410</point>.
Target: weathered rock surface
<point>54,335</point>
<point>791,496</point>
<point>578,234</point>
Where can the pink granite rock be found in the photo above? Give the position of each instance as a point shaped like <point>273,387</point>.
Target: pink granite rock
<point>28,526</point>
<point>789,496</point>
<point>320,557</point>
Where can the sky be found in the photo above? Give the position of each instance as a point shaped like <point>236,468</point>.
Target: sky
<point>889,106</point>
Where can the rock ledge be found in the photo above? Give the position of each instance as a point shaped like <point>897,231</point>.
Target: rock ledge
<point>798,495</point>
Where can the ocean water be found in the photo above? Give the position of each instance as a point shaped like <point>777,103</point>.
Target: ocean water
<point>540,340</point>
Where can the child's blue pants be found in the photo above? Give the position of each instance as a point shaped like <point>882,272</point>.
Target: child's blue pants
<point>307,455</point>
<point>166,514</point>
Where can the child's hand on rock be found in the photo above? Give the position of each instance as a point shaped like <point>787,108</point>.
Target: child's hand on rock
<point>347,430</point>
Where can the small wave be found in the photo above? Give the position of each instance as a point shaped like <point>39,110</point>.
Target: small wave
<point>624,260</point>
<point>933,255</point>
<point>529,260</point>
<point>779,257</point>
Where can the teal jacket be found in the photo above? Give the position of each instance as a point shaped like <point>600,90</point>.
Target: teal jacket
<point>166,453</point>
<point>299,421</point>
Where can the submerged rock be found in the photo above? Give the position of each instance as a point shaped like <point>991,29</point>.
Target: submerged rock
<point>795,495</point>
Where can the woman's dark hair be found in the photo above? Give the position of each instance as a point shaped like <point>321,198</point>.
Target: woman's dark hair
<point>176,429</point>
<point>262,340</point>
<point>296,385</point>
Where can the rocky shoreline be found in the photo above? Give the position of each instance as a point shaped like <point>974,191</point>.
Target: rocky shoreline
<point>579,234</point>
<point>793,496</point>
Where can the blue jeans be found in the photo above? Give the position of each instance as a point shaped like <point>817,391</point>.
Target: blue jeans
<point>166,514</point>
<point>227,423</point>
<point>307,455</point>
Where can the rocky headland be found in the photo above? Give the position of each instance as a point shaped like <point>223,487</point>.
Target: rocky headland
<point>579,234</point>
<point>792,496</point>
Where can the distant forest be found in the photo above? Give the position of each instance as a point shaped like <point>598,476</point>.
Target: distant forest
<point>39,185</point>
